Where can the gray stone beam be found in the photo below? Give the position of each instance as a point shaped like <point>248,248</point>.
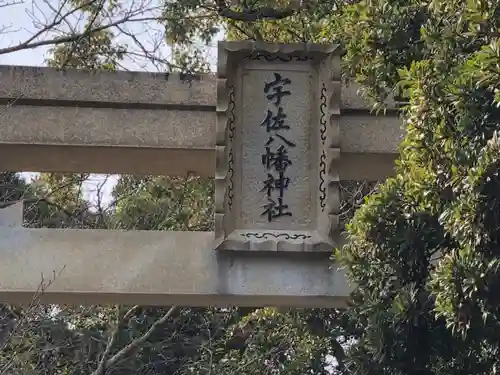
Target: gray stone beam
<point>158,268</point>
<point>144,123</point>
<point>119,88</point>
<point>155,268</point>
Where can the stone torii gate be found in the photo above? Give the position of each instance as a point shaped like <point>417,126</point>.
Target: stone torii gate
<point>275,128</point>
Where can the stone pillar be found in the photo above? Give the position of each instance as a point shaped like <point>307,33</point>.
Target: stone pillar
<point>277,147</point>
<point>12,216</point>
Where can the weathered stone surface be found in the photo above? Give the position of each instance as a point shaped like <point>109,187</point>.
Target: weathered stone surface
<point>157,268</point>
<point>352,100</point>
<point>370,134</point>
<point>107,127</point>
<point>142,117</point>
<point>120,160</point>
<point>277,143</point>
<point>12,216</point>
<point>128,87</point>
<point>165,129</point>
<point>158,161</point>
<point>297,109</point>
<point>119,87</point>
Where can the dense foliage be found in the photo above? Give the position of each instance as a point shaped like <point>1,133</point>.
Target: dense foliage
<point>424,251</point>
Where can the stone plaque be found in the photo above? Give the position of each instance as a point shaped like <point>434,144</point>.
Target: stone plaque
<point>278,146</point>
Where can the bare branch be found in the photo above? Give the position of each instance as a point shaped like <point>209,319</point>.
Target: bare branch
<point>58,19</point>
<point>31,43</point>
<point>53,24</point>
<point>58,12</point>
<point>150,55</point>
<point>352,195</point>
<point>10,104</point>
<point>42,287</point>
<point>128,349</point>
<point>5,4</point>
<point>101,368</point>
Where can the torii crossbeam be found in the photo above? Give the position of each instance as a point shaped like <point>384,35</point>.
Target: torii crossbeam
<point>142,123</point>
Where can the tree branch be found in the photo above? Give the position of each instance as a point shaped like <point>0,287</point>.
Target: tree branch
<point>74,37</point>
<point>5,4</point>
<point>241,30</point>
<point>252,15</point>
<point>262,13</point>
<point>42,287</point>
<point>134,344</point>
<point>101,368</point>
<point>29,43</point>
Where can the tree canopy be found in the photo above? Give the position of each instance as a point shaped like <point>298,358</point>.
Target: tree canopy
<point>423,251</point>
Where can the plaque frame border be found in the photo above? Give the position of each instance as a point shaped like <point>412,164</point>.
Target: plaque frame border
<point>327,232</point>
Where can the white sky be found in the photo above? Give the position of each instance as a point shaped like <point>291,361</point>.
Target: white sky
<point>18,23</point>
